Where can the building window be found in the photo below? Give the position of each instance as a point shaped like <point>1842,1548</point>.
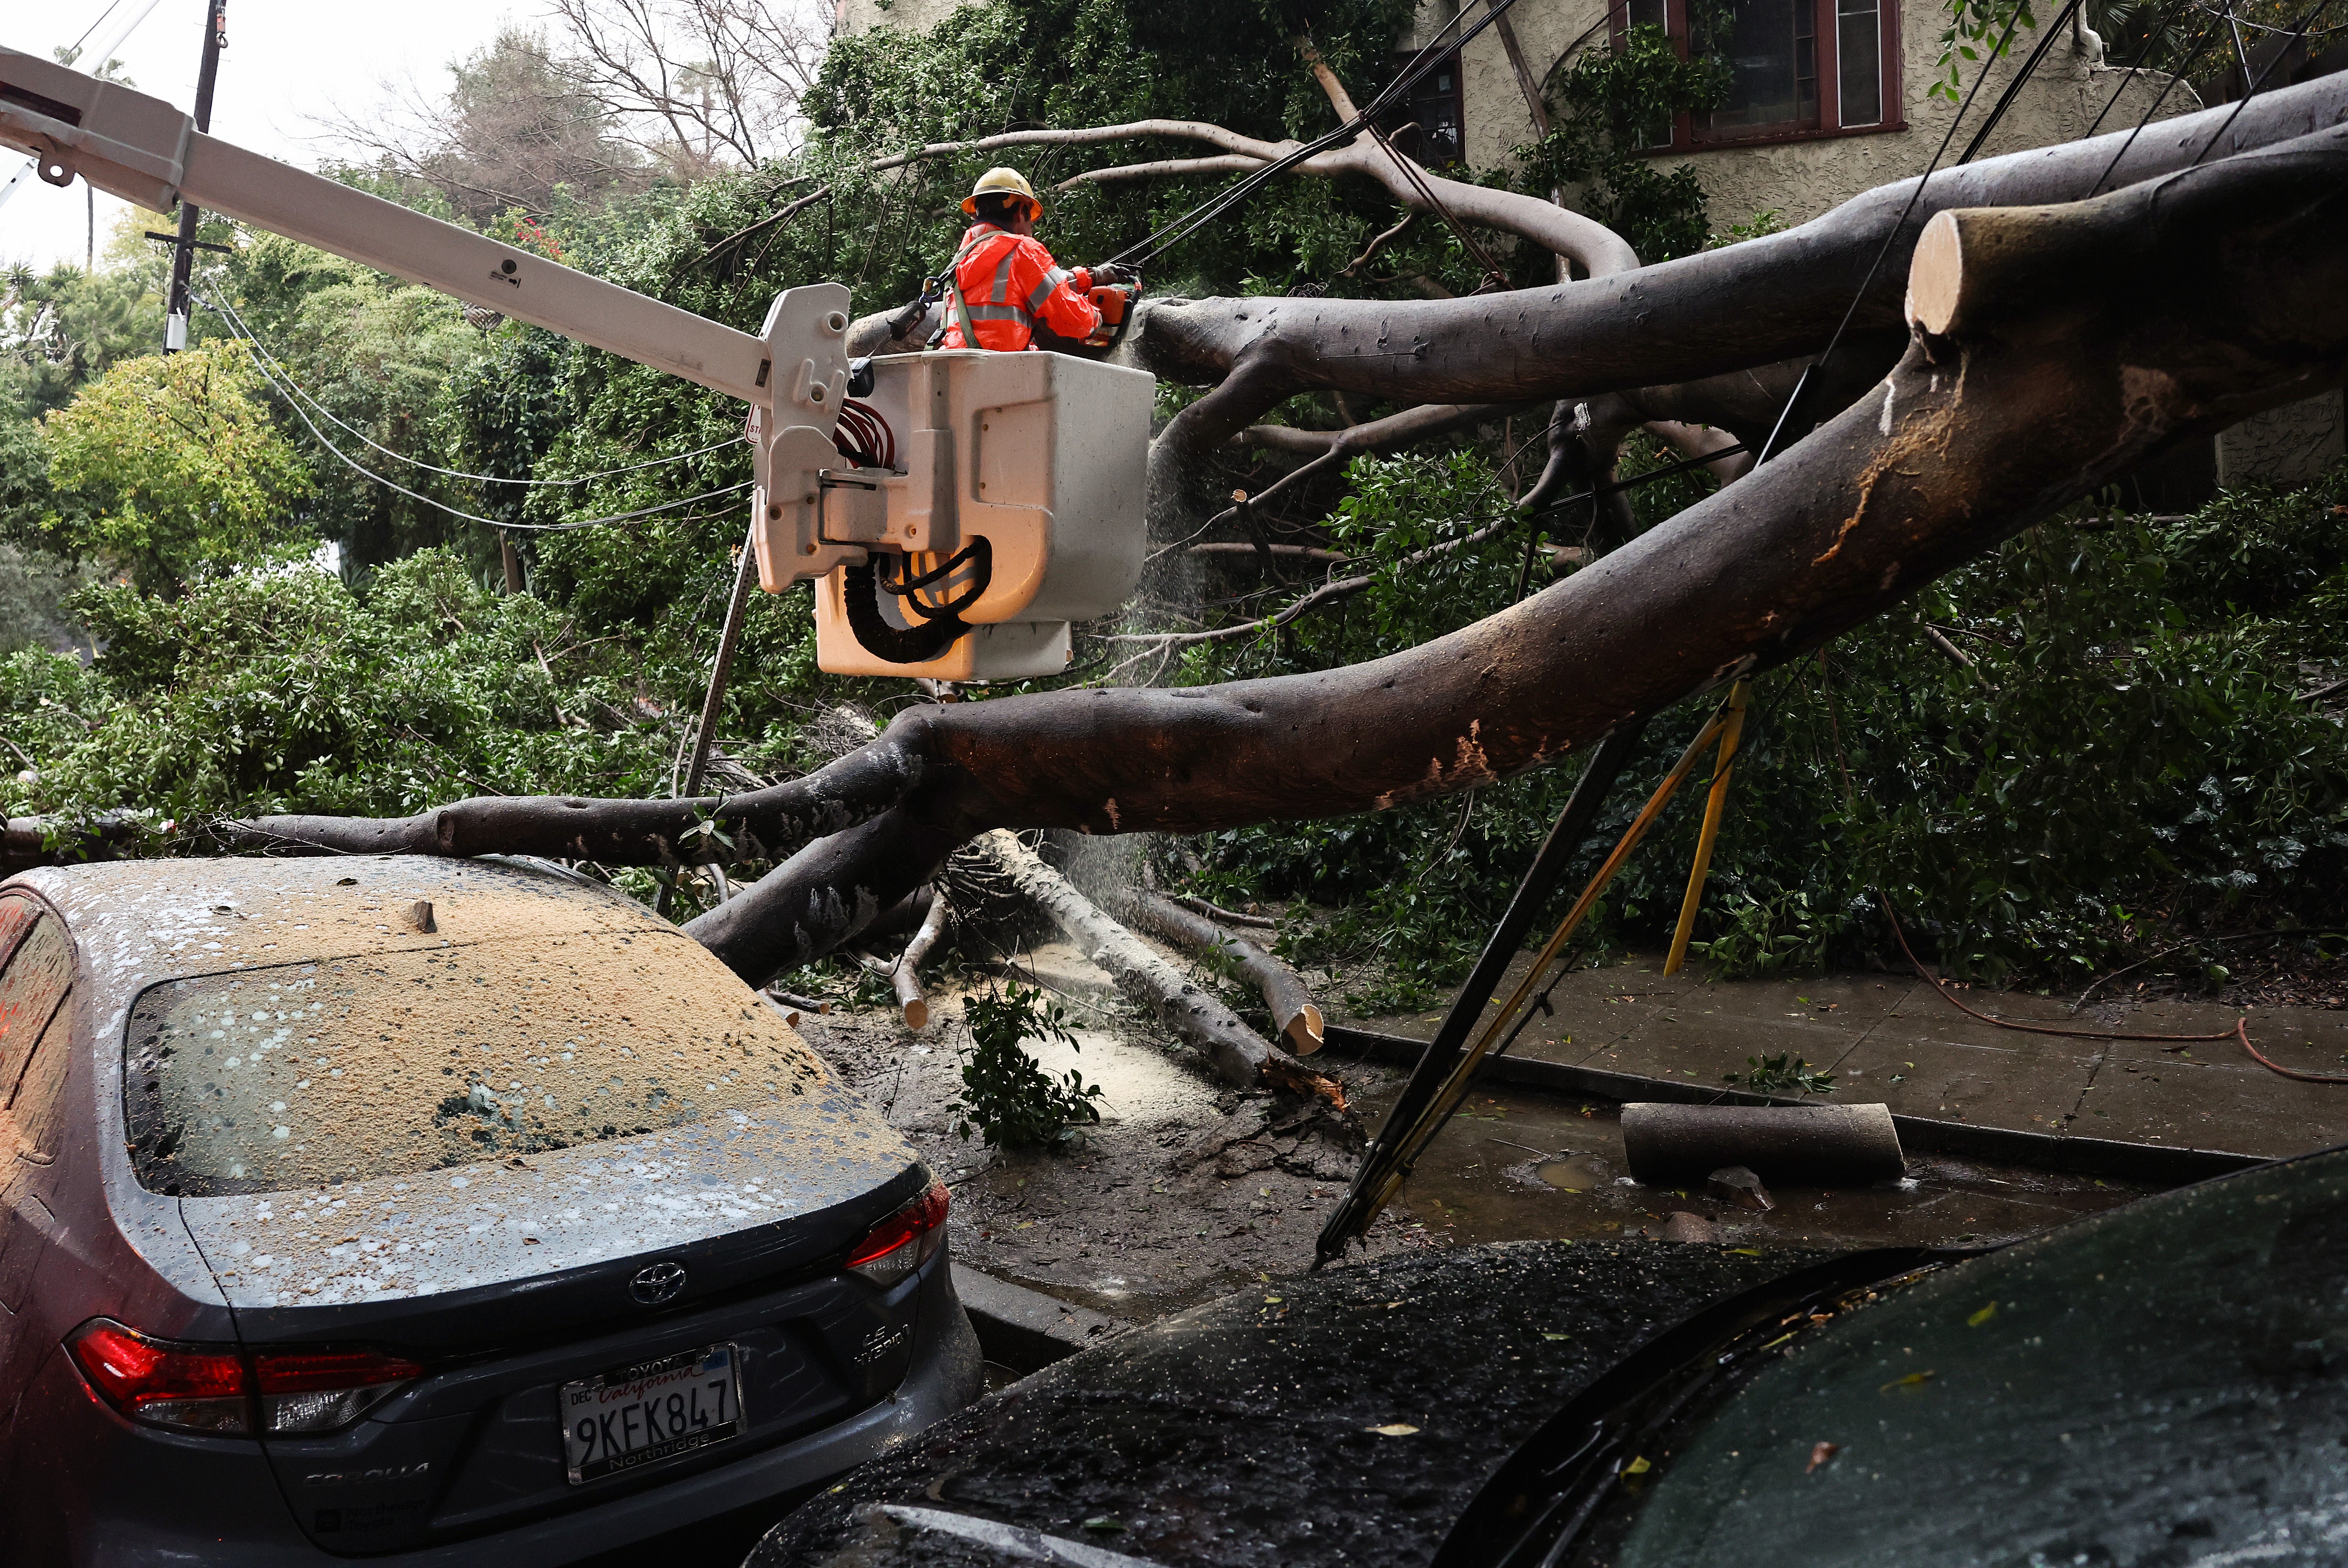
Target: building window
<point>1430,126</point>
<point>1796,69</point>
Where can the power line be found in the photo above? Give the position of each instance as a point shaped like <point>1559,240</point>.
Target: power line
<point>2154,108</point>
<point>1171,234</point>
<point>2252,87</point>
<point>364,472</point>
<point>228,313</point>
<point>2153,35</point>
<point>2021,78</point>
<point>1786,415</point>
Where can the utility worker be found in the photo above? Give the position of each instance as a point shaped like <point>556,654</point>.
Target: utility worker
<point>1005,281</point>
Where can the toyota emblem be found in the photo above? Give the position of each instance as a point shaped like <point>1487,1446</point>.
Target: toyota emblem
<point>657,1284</point>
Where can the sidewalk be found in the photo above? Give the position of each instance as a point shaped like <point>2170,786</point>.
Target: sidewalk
<point>1891,1039</point>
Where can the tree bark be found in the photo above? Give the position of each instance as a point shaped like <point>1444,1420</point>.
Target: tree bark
<point>1283,990</point>
<point>904,977</point>
<point>1237,1053</point>
<point>2172,310</point>
<point>756,825</point>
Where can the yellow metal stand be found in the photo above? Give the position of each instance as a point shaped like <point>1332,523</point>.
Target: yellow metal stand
<point>1724,726</point>
<point>1730,729</point>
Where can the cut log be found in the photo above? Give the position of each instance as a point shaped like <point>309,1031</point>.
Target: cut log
<point>1238,1054</point>
<point>796,1003</point>
<point>1822,1145</point>
<point>1285,991</point>
<point>905,975</point>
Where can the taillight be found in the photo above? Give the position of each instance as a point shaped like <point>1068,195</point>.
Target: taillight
<point>214,1388</point>
<point>904,1241</point>
<point>195,1388</point>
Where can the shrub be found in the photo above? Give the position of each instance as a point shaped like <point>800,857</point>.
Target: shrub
<point>1012,1103</point>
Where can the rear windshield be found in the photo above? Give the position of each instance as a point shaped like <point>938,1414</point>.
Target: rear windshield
<point>374,1067</point>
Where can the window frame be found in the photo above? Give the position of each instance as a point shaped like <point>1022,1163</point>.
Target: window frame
<point>1688,136</point>
<point>1403,114</point>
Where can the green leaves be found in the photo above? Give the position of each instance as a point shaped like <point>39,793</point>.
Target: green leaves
<point>1613,105</point>
<point>2128,759</point>
<point>178,467</point>
<point>1784,1073</point>
<point>1992,23</point>
<point>1012,1103</point>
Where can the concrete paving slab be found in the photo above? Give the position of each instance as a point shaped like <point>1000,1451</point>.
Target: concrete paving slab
<point>2310,1039</point>
<point>1868,1029</point>
<point>2245,1109</point>
<point>1703,1047</point>
<point>1587,1012</point>
<point>2025,1081</point>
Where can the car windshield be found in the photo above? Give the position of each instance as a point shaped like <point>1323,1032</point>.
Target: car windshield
<point>348,1069</point>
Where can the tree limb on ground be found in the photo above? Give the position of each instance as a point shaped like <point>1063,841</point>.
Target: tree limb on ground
<point>904,977</point>
<point>1283,990</point>
<point>1237,1053</point>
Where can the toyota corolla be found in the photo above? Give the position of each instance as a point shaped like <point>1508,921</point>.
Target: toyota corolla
<point>435,1210</point>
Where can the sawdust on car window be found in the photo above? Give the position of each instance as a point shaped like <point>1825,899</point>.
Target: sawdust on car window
<point>396,1062</point>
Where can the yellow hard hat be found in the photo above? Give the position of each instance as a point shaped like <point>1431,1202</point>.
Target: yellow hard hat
<point>1001,182</point>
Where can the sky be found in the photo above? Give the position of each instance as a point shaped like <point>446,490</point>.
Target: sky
<point>289,63</point>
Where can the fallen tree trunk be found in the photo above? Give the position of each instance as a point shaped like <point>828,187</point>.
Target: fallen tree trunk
<point>1238,1054</point>
<point>1293,1010</point>
<point>2162,313</point>
<point>2176,308</point>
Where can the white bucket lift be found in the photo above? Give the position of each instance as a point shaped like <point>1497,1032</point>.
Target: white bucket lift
<point>992,500</point>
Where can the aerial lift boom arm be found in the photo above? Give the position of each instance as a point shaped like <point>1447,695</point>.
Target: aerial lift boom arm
<point>1010,502</point>
<point>144,151</point>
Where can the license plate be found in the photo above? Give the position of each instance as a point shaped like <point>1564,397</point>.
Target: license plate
<point>652,1411</point>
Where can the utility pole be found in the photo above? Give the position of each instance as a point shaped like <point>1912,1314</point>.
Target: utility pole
<point>183,254</point>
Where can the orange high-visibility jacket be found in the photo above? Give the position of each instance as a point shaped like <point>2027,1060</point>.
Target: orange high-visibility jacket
<point>1010,281</point>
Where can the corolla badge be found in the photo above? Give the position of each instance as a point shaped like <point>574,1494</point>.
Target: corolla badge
<point>657,1284</point>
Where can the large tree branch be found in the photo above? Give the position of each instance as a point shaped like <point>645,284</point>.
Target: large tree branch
<point>1560,231</point>
<point>2103,334</point>
<point>1757,302</point>
<point>758,825</point>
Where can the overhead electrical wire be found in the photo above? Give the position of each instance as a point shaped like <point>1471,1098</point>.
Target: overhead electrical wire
<point>2191,60</point>
<point>1793,404</point>
<point>2252,85</point>
<point>228,313</point>
<point>364,472</point>
<point>1171,234</point>
<point>2021,78</point>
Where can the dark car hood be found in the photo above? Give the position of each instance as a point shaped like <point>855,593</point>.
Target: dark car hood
<point>1243,1432</point>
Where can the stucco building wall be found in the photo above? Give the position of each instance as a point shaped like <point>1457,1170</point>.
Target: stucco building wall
<point>1801,179</point>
